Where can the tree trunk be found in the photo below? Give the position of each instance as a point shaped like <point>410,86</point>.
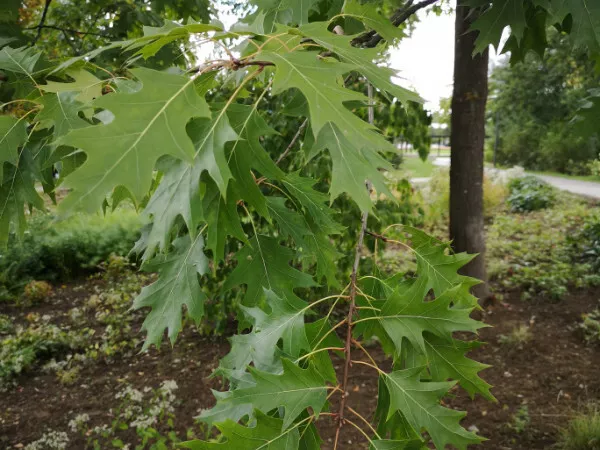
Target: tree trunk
<point>467,142</point>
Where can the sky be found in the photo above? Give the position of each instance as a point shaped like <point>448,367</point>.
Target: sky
<point>426,59</point>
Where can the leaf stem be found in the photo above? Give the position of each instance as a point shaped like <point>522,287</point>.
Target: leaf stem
<point>308,355</point>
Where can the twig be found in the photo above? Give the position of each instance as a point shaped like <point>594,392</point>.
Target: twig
<point>41,24</point>
<point>353,292</point>
<point>377,236</point>
<point>64,30</point>
<point>372,38</point>
<point>294,140</point>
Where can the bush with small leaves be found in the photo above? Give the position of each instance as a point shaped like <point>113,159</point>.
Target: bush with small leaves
<point>530,194</point>
<point>36,292</point>
<point>590,327</point>
<point>6,324</point>
<point>29,347</point>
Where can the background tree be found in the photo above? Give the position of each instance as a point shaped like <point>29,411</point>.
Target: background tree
<point>467,142</point>
<point>534,101</point>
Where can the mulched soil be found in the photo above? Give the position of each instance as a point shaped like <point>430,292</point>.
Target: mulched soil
<point>554,374</point>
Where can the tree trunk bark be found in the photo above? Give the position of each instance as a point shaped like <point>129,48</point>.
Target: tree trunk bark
<point>467,142</point>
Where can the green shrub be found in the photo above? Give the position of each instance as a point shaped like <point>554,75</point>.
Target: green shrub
<point>533,253</point>
<point>530,194</point>
<point>6,324</point>
<point>586,243</point>
<point>36,292</point>
<point>31,346</point>
<point>56,251</point>
<point>582,432</point>
<point>590,327</point>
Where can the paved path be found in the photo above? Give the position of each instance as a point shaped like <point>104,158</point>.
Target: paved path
<point>586,188</point>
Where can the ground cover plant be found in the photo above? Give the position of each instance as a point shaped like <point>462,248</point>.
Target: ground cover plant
<point>185,145</point>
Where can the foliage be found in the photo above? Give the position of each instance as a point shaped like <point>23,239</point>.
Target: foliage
<point>533,252</point>
<point>220,210</point>
<point>60,251</point>
<point>150,413</point>
<point>530,194</point>
<point>6,324</point>
<point>590,327</point>
<point>51,440</point>
<point>36,292</point>
<point>582,432</point>
<point>517,337</point>
<point>586,242</point>
<point>521,420</point>
<point>28,347</point>
<point>532,102</point>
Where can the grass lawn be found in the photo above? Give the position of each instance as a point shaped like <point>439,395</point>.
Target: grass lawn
<point>570,177</point>
<point>414,167</point>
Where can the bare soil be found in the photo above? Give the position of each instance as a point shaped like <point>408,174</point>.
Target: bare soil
<point>554,374</point>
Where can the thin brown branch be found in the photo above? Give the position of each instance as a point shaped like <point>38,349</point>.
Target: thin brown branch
<point>372,38</point>
<point>40,25</point>
<point>64,30</point>
<point>353,292</point>
<point>293,142</point>
<point>377,236</point>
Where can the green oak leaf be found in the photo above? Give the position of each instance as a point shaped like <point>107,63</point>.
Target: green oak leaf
<point>586,20</point>
<point>447,360</point>
<point>284,12</point>
<point>87,86</point>
<point>405,444</point>
<point>19,60</point>
<point>406,315</point>
<point>176,195</point>
<point>319,81</point>
<point>177,286</point>
<point>267,434</point>
<point>434,264</point>
<point>16,191</point>
<point>491,24</point>
<point>420,404</point>
<point>313,201</point>
<point>368,15</point>
<point>294,390</point>
<point>209,137</point>
<point>361,59</point>
<point>310,439</point>
<point>251,127</point>
<point>351,167</point>
<point>147,124</point>
<point>156,38</point>
<point>313,244</point>
<point>61,111</point>
<point>13,135</point>
<point>222,219</point>
<point>285,322</point>
<point>264,264</point>
<point>319,339</point>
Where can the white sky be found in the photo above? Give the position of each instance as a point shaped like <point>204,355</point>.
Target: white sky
<point>426,59</point>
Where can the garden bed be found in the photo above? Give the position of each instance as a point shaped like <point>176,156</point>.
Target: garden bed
<point>553,375</point>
